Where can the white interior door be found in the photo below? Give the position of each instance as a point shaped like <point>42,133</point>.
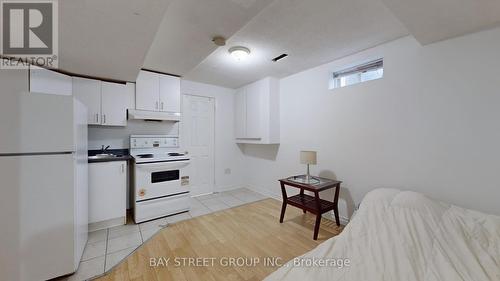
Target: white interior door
<point>197,137</point>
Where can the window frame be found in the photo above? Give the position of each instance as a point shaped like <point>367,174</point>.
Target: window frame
<point>351,72</point>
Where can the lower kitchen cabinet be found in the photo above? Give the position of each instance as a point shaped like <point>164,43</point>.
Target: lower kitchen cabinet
<point>107,194</point>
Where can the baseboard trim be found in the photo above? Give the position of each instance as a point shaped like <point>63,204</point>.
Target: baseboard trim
<point>228,187</point>
<point>107,224</point>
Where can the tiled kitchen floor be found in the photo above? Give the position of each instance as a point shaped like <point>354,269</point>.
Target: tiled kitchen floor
<point>106,248</point>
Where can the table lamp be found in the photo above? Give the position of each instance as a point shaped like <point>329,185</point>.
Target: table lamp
<point>308,158</point>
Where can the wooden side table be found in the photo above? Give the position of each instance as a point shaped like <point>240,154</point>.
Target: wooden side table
<point>313,204</point>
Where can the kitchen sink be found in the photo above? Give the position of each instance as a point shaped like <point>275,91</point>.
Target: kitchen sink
<point>102,156</point>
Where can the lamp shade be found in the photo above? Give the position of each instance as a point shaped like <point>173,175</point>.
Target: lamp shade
<point>308,157</point>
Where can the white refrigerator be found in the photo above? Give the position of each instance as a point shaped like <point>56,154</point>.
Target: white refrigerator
<point>43,181</point>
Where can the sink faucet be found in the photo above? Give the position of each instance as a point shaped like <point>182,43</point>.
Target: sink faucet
<point>104,149</point>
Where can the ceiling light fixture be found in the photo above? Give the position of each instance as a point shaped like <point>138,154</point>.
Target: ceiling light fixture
<point>239,52</point>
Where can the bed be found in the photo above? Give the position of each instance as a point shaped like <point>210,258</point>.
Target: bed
<point>402,235</point>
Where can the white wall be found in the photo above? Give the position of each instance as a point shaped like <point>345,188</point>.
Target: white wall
<point>227,154</point>
<point>118,137</point>
<point>432,124</point>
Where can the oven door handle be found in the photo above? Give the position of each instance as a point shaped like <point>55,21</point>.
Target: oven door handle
<point>164,165</point>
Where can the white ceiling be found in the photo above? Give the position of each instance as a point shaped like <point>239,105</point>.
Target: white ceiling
<point>185,35</point>
<point>116,38</point>
<point>430,21</point>
<point>311,32</point>
<point>107,39</point>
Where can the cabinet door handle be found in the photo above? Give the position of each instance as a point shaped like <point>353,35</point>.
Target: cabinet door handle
<point>123,168</point>
<point>161,105</point>
<point>104,118</point>
<point>156,105</point>
<point>97,117</point>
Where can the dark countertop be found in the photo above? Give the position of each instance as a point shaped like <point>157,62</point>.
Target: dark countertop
<point>122,155</point>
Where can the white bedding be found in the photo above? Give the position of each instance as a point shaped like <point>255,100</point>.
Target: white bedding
<point>405,236</point>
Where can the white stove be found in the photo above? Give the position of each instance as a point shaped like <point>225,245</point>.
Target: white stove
<point>155,148</point>
<point>154,156</point>
<point>160,176</point>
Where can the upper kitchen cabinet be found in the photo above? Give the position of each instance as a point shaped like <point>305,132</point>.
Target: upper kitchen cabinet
<point>106,102</point>
<point>158,92</point>
<point>170,93</point>
<point>254,99</point>
<point>240,113</point>
<point>257,112</point>
<point>116,99</point>
<point>49,82</point>
<point>147,89</point>
<point>88,91</point>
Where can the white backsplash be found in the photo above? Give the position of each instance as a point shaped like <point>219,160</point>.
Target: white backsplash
<point>118,137</point>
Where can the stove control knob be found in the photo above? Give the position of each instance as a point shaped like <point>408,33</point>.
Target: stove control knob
<point>142,192</point>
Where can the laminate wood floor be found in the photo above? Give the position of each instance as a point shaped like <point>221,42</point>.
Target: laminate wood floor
<point>233,244</point>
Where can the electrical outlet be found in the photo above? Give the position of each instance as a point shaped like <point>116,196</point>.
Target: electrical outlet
<point>227,171</point>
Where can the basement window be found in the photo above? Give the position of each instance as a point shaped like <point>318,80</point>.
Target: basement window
<point>361,73</point>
